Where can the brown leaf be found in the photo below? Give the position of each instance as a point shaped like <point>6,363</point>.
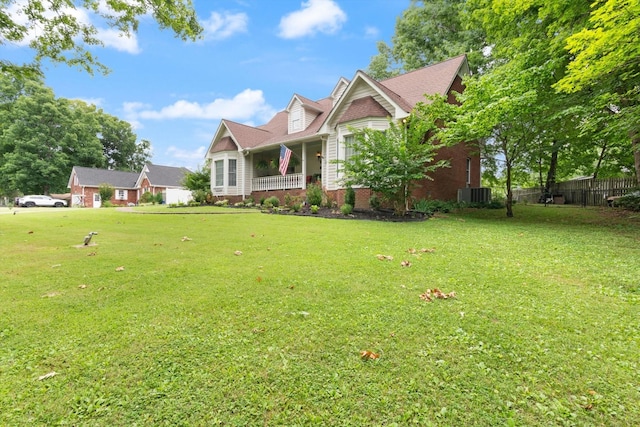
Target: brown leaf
<point>186,239</point>
<point>82,286</point>
<point>405,264</point>
<point>411,250</point>
<point>121,268</point>
<point>384,257</point>
<point>237,253</point>
<point>425,250</point>
<point>369,355</point>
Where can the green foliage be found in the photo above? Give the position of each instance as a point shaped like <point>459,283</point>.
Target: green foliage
<point>201,196</point>
<point>63,32</point>
<point>315,209</point>
<point>106,193</point>
<point>374,202</point>
<point>346,209</point>
<point>296,207</point>
<point>429,207</point>
<point>392,162</point>
<point>290,200</point>
<point>350,196</point>
<point>630,201</point>
<point>158,198</point>
<point>146,197</point>
<point>271,202</point>
<point>314,194</point>
<point>200,180</point>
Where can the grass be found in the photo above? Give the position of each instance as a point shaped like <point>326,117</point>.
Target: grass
<point>543,330</point>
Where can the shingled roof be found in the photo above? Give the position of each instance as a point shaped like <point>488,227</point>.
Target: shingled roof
<point>164,176</point>
<point>93,177</point>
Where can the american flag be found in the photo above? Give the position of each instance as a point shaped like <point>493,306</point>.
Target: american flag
<point>285,156</point>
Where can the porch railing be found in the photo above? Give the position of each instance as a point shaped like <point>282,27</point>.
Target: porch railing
<point>277,182</point>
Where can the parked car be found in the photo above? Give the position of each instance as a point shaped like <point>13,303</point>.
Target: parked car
<point>36,200</point>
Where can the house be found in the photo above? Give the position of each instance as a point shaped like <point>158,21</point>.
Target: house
<point>129,186</point>
<point>244,159</point>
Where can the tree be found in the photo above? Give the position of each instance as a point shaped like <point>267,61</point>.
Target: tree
<point>55,29</point>
<point>429,32</point>
<point>391,162</point>
<point>42,139</point>
<point>118,143</point>
<point>606,64</point>
<point>199,182</point>
<point>106,193</point>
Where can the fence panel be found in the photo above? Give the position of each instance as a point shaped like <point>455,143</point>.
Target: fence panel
<point>585,192</point>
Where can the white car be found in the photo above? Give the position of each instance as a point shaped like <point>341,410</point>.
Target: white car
<point>31,201</point>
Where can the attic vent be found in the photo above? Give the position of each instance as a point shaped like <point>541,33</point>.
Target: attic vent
<point>474,195</point>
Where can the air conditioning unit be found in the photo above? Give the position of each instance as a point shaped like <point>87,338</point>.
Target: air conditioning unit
<point>474,195</point>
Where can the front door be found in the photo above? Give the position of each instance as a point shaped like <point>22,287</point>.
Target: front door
<point>97,202</point>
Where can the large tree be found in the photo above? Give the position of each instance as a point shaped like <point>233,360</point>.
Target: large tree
<point>42,137</point>
<point>59,31</point>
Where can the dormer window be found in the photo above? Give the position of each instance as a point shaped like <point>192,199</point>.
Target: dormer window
<point>296,120</point>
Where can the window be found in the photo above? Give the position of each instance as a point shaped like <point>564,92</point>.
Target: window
<point>348,146</point>
<point>121,194</point>
<point>232,172</point>
<point>219,170</point>
<point>296,123</point>
<point>468,170</point>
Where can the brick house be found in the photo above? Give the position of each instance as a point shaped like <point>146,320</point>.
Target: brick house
<point>244,159</point>
<point>129,186</point>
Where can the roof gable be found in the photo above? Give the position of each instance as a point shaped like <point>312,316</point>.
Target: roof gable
<point>163,176</point>
<point>93,177</point>
<point>363,107</point>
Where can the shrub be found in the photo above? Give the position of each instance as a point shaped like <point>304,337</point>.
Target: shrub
<point>272,202</point>
<point>314,194</point>
<point>223,202</point>
<point>427,206</point>
<point>630,201</point>
<point>422,206</point>
<point>314,209</point>
<point>350,197</point>
<point>106,193</point>
<point>296,207</point>
<point>374,202</point>
<point>157,199</point>
<point>346,209</point>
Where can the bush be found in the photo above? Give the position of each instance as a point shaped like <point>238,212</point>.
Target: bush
<point>314,209</point>
<point>106,193</point>
<point>630,201</point>
<point>350,197</point>
<point>272,202</point>
<point>374,202</point>
<point>297,207</point>
<point>346,209</point>
<point>428,207</point>
<point>314,194</point>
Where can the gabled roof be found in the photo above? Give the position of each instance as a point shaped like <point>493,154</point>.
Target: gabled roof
<point>93,177</point>
<point>402,92</point>
<point>163,176</point>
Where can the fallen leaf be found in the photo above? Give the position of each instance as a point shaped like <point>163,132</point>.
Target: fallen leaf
<point>369,355</point>
<point>429,294</point>
<point>29,232</point>
<point>51,295</point>
<point>49,375</point>
<point>384,257</point>
<point>405,264</point>
<point>237,253</point>
<point>425,250</point>
<point>259,279</point>
<point>186,239</point>
<point>411,250</point>
<point>56,265</point>
<point>121,268</point>
<point>82,286</point>
<point>91,254</point>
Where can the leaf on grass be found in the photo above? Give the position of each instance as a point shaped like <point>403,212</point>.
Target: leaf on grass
<point>29,232</point>
<point>91,254</point>
<point>405,264</point>
<point>369,355</point>
<point>56,265</point>
<point>186,239</point>
<point>259,279</point>
<point>425,250</point>
<point>430,294</point>
<point>237,253</point>
<point>121,268</point>
<point>384,257</point>
<point>46,376</point>
<point>51,295</point>
<point>82,286</point>
<point>411,250</point>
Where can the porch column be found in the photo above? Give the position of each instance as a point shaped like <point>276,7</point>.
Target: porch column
<point>304,165</point>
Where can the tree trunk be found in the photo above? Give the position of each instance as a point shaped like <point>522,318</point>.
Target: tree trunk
<point>509,202</point>
<point>635,146</point>
<point>553,168</point>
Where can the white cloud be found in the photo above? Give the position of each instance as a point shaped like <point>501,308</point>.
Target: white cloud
<point>371,32</point>
<point>245,105</point>
<point>222,26</point>
<point>119,41</point>
<point>182,154</point>
<point>323,16</point>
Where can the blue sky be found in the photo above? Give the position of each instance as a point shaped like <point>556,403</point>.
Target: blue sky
<point>255,55</point>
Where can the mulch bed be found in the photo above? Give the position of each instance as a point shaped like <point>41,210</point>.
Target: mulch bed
<point>361,214</point>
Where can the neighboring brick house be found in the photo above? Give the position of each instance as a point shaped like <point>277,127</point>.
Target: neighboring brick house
<point>244,159</point>
<point>129,186</point>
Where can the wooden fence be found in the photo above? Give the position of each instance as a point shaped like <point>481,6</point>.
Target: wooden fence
<point>585,192</point>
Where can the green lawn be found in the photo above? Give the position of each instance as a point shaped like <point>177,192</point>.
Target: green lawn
<point>544,329</point>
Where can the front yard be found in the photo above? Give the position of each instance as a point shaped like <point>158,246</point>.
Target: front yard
<point>256,319</point>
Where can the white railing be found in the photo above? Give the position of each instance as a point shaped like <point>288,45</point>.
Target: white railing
<point>277,182</point>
